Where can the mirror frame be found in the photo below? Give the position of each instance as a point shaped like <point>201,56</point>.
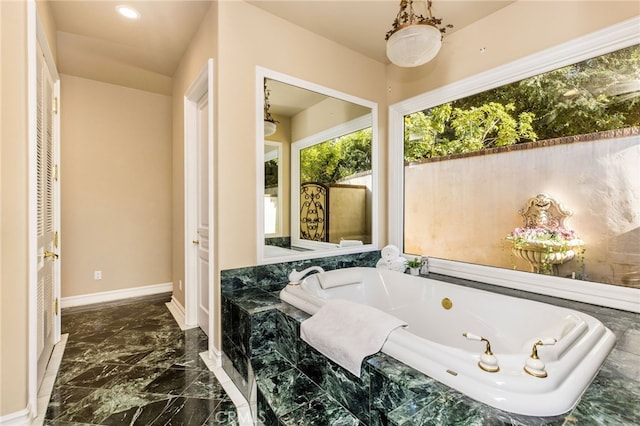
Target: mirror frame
<point>261,74</point>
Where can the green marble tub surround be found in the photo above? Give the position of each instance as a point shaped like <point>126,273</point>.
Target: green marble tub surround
<point>288,339</point>
<point>271,364</point>
<point>289,397</point>
<point>248,330</point>
<point>320,411</point>
<point>450,409</point>
<point>345,388</point>
<point>247,320</point>
<point>386,395</point>
<point>253,299</point>
<point>288,390</point>
<point>278,241</point>
<point>349,391</point>
<point>247,294</point>
<point>612,398</point>
<point>392,393</point>
<point>236,330</point>
<point>402,396</point>
<point>264,413</point>
<point>237,279</point>
<point>295,314</point>
<point>251,290</point>
<point>264,333</point>
<point>273,277</point>
<point>389,392</point>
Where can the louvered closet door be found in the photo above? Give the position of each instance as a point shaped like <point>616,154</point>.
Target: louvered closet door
<point>46,223</point>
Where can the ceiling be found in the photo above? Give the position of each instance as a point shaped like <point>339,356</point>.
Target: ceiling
<point>287,100</point>
<point>95,42</point>
<point>362,24</point>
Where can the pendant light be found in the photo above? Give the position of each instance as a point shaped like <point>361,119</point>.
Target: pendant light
<point>414,40</point>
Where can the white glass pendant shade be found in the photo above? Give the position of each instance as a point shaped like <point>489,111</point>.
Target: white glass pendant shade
<point>269,128</point>
<point>414,45</point>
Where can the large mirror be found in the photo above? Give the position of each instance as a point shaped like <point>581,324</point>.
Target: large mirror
<point>317,171</point>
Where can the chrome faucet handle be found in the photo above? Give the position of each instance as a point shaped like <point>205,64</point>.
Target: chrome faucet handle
<point>296,276</point>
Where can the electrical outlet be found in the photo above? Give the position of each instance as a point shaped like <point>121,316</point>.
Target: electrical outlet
<point>97,275</point>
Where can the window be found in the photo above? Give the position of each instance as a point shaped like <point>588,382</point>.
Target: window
<point>476,151</point>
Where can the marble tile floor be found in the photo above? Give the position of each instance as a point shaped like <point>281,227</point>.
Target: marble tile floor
<point>130,363</point>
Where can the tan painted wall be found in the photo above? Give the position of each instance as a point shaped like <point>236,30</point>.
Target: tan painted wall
<point>92,62</point>
<point>509,34</point>
<point>49,26</point>
<point>273,43</point>
<point>237,51</point>
<point>116,186</point>
<point>518,30</point>
<point>348,214</point>
<point>202,47</point>
<point>14,288</point>
<point>324,115</point>
<point>470,223</point>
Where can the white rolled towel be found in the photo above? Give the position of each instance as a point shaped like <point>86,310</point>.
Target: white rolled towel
<point>340,277</point>
<point>390,253</point>
<point>350,243</point>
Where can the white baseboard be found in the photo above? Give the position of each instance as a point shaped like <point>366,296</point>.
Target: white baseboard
<point>177,310</point>
<point>50,375</point>
<point>216,356</point>
<point>242,405</point>
<point>212,360</point>
<point>19,418</point>
<point>109,296</point>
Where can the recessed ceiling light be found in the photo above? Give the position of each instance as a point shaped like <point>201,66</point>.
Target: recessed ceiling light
<point>128,12</point>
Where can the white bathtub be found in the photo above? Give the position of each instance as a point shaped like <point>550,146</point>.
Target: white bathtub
<point>433,342</point>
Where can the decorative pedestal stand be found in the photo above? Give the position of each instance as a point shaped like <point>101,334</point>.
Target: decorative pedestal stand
<point>545,218</point>
<point>544,258</point>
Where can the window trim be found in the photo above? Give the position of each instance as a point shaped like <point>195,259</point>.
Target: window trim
<point>607,40</point>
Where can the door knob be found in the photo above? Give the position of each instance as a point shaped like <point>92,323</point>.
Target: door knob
<point>196,241</point>
<point>50,254</point>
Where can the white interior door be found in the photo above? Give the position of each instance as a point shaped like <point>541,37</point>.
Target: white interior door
<point>48,277</point>
<point>202,267</point>
<point>199,175</point>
